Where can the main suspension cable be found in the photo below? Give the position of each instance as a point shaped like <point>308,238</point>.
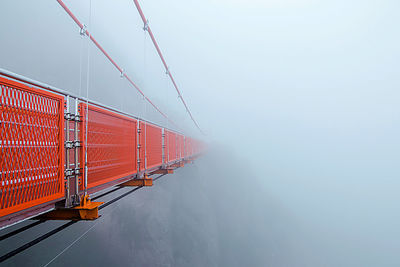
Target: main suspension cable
<point>148,29</point>
<point>123,74</point>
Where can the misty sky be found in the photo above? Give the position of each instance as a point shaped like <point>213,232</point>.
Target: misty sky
<point>304,93</point>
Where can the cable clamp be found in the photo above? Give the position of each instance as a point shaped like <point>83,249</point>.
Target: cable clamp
<point>76,143</point>
<point>77,171</point>
<point>122,73</point>
<point>146,26</point>
<point>70,116</point>
<point>83,30</point>
<point>167,71</point>
<point>67,116</point>
<point>69,144</point>
<point>69,172</point>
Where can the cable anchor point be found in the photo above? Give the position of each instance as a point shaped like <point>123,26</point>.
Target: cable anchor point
<point>146,25</point>
<point>83,30</point>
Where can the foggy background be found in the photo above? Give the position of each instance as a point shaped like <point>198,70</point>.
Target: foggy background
<point>299,100</point>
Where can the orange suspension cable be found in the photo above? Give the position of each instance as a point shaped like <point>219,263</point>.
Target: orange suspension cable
<point>85,31</point>
<point>147,28</point>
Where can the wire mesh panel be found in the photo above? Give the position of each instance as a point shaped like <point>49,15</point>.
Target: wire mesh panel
<point>180,146</point>
<point>185,149</point>
<point>171,143</point>
<point>153,146</point>
<point>194,146</point>
<point>141,146</point>
<point>188,147</point>
<point>111,145</point>
<point>32,146</point>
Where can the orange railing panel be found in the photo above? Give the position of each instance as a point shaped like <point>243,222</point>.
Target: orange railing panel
<point>111,145</point>
<point>171,144</point>
<point>142,146</point>
<point>153,145</point>
<point>31,148</point>
<point>180,146</point>
<point>186,150</point>
<point>188,147</point>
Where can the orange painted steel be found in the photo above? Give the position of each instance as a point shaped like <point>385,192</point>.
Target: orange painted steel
<point>180,146</point>
<point>144,181</point>
<point>87,210</point>
<point>153,146</point>
<point>111,145</point>
<point>168,170</point>
<point>32,150</point>
<point>171,144</point>
<point>188,147</point>
<point>32,146</point>
<point>141,146</point>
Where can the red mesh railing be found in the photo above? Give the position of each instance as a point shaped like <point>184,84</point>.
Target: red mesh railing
<point>188,147</point>
<point>31,146</point>
<point>185,149</point>
<point>171,144</point>
<point>182,146</point>
<point>153,146</point>
<point>141,142</point>
<point>178,146</point>
<point>111,145</point>
<point>195,147</point>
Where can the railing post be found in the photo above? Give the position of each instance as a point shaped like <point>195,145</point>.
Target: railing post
<point>176,147</point>
<point>67,147</point>
<point>138,147</point>
<point>77,145</point>
<point>145,147</point>
<point>163,146</point>
<point>86,128</point>
<point>167,146</point>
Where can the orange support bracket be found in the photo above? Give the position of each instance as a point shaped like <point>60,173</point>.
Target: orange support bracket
<point>167,170</point>
<point>179,164</point>
<point>87,210</point>
<point>145,181</point>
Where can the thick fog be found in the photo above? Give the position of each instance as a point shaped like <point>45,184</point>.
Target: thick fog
<point>300,103</point>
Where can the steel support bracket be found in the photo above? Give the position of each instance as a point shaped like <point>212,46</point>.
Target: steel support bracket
<point>87,210</point>
<point>145,181</point>
<point>167,170</point>
<point>179,164</point>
